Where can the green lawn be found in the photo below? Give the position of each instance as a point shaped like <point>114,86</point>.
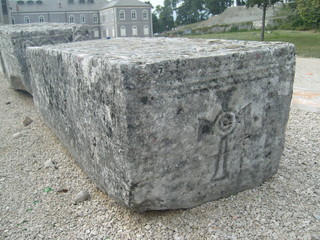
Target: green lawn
<point>307,42</point>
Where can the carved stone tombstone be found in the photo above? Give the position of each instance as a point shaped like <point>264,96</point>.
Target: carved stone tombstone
<point>168,123</point>
<point>14,39</point>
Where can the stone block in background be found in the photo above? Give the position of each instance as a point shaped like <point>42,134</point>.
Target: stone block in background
<point>167,123</point>
<point>15,38</point>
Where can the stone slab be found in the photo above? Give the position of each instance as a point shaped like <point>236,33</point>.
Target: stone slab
<point>168,123</point>
<point>15,38</point>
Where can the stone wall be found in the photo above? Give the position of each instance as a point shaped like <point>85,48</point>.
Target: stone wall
<point>14,40</point>
<point>225,28</point>
<point>167,123</point>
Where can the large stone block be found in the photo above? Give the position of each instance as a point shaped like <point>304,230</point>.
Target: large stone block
<point>15,38</point>
<point>168,123</point>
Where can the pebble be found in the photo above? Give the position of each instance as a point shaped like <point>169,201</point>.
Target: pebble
<point>49,164</point>
<point>17,135</point>
<point>317,216</point>
<point>147,227</point>
<point>27,121</point>
<point>22,220</point>
<point>82,196</point>
<point>62,190</point>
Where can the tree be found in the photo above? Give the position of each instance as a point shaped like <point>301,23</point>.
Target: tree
<point>218,6</point>
<point>240,2</point>
<point>156,24</point>
<point>155,21</point>
<point>309,10</point>
<point>191,11</point>
<point>165,15</point>
<point>264,4</point>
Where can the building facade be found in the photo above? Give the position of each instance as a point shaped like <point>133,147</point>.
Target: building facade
<point>4,12</point>
<point>126,18</point>
<point>85,12</point>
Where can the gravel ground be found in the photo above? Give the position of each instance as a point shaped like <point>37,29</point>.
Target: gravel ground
<point>308,74</point>
<point>32,207</point>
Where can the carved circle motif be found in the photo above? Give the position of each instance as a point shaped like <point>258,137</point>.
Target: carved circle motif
<point>160,70</point>
<point>226,122</point>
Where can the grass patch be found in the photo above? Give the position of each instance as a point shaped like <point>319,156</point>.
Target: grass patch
<point>307,42</point>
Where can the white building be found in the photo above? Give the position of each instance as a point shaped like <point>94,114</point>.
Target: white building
<point>130,17</point>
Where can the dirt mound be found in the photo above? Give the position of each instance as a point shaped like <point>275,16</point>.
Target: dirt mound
<point>236,15</point>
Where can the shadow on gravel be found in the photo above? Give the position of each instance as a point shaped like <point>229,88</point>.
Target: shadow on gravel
<point>23,93</point>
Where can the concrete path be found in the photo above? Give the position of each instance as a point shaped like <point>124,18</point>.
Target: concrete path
<point>306,92</point>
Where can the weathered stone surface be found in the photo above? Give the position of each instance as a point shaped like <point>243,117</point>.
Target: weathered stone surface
<point>168,123</point>
<point>15,38</point>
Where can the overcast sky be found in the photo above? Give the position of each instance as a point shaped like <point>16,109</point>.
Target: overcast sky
<point>156,2</point>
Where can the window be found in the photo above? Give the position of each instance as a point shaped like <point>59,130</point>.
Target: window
<point>26,20</point>
<point>96,33</point>
<point>82,18</point>
<point>145,14</point>
<point>146,30</point>
<point>106,17</point>
<point>71,19</point>
<point>133,14</point>
<point>39,2</point>
<point>81,1</point>
<point>123,32</point>
<point>95,18</point>
<point>122,15</point>
<point>41,19</point>
<point>4,7</point>
<point>70,1</point>
<point>134,31</point>
<point>90,1</point>
<point>13,21</point>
